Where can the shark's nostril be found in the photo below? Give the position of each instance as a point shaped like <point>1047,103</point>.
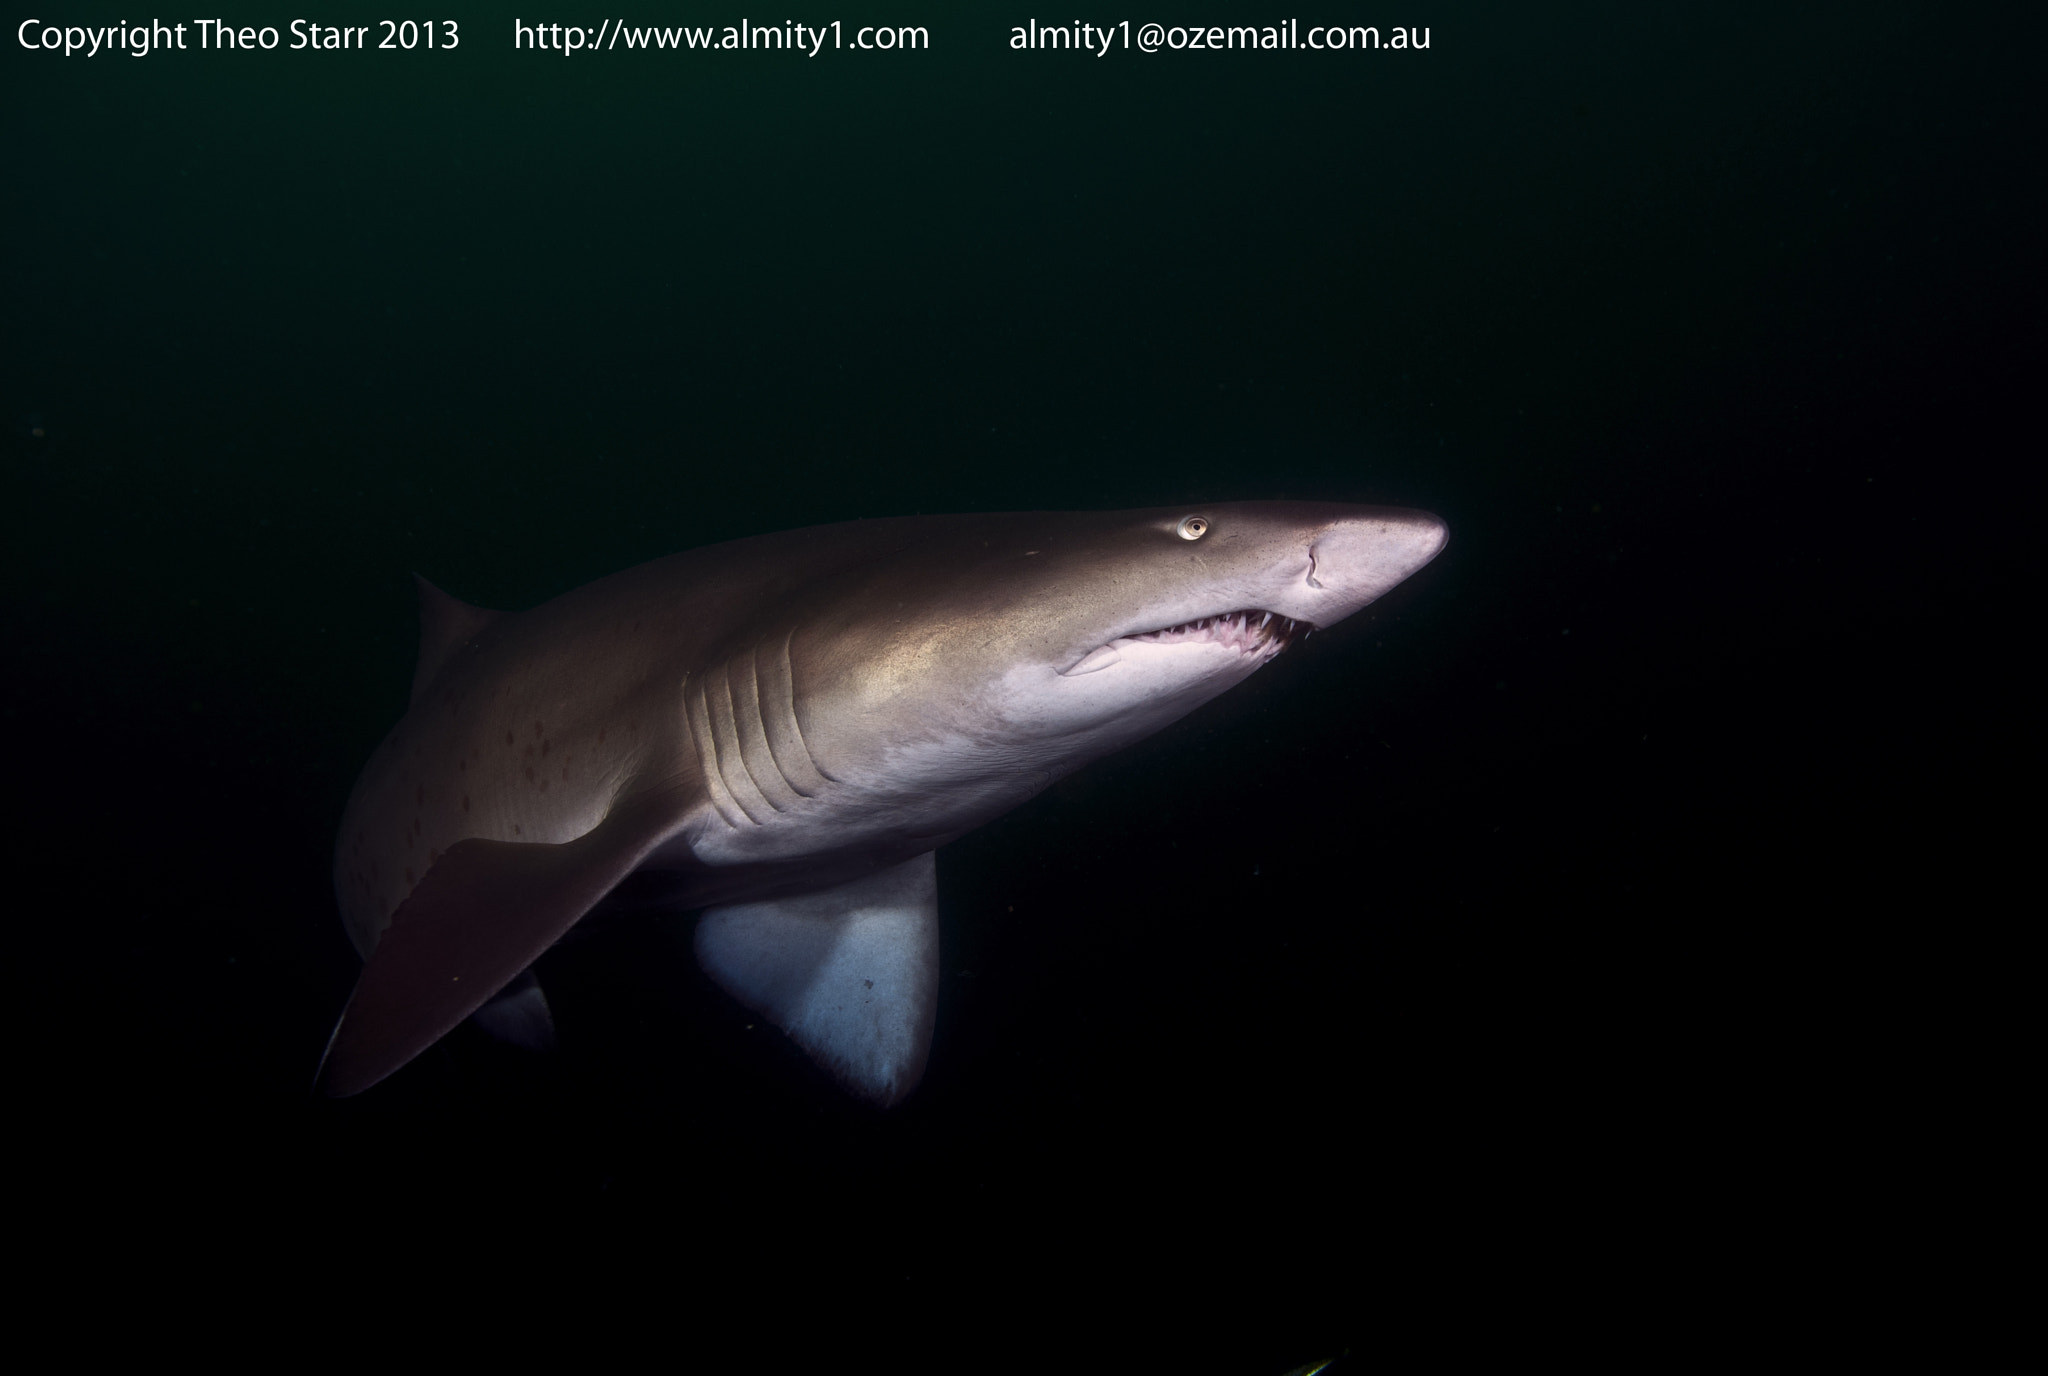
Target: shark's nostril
<point>1312,568</point>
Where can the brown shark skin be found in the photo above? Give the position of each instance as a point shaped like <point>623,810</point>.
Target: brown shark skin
<point>748,684</point>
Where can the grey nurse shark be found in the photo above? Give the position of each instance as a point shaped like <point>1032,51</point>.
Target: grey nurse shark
<point>780,731</point>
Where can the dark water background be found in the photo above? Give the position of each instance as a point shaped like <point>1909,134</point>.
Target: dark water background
<point>1588,896</point>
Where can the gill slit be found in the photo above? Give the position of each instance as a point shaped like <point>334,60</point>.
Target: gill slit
<point>761,716</point>
<point>698,713</point>
<point>739,743</point>
<point>789,677</point>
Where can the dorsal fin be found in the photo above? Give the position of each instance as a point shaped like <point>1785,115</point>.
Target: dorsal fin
<point>446,625</point>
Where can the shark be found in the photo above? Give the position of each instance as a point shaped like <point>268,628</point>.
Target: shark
<point>779,732</point>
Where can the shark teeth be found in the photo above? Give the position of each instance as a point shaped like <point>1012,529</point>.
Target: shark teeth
<point>1253,632</point>
<point>1249,630</point>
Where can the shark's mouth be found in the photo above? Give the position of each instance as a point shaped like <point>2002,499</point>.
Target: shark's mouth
<point>1251,632</point>
<point>1246,630</point>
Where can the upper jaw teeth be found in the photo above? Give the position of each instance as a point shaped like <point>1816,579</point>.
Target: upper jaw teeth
<point>1246,630</point>
<point>1249,632</point>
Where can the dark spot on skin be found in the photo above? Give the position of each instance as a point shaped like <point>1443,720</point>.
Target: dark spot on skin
<point>543,785</point>
<point>544,747</point>
<point>536,728</point>
<point>515,828</point>
<point>465,802</point>
<point>508,738</point>
<point>419,795</point>
<point>462,766</point>
<point>529,774</point>
<point>600,735</point>
<point>476,754</point>
<point>408,876</point>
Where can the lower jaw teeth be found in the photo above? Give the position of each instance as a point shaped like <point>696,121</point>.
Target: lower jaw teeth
<point>1249,630</point>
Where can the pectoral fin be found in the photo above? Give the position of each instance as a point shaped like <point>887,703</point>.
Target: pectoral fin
<point>482,914</point>
<point>851,973</point>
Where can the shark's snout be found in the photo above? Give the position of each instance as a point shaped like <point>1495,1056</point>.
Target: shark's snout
<point>1270,583</point>
<point>1354,561</point>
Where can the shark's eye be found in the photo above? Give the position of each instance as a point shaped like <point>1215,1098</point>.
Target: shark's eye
<point>1192,528</point>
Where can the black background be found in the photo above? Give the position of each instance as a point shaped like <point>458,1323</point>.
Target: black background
<point>1596,895</point>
